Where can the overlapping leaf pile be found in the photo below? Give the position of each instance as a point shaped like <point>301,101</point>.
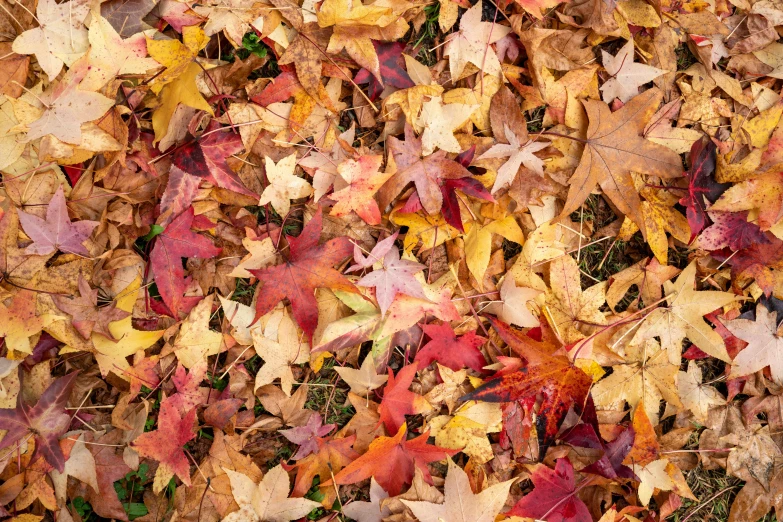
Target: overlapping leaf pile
<point>271,260</point>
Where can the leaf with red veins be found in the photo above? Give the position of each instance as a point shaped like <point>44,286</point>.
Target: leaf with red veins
<point>392,71</point>
<point>309,266</point>
<point>45,421</point>
<point>174,243</point>
<point>362,180</point>
<point>755,262</point>
<point>165,444</point>
<point>425,173</point>
<point>701,185</point>
<point>206,158</point>
<point>554,497</point>
<point>392,461</point>
<point>87,316</point>
<point>451,209</point>
<point>398,401</point>
<point>396,277</point>
<point>552,377</point>
<point>190,393</point>
<point>732,230</point>
<point>306,437</point>
<point>449,350</point>
<point>56,232</point>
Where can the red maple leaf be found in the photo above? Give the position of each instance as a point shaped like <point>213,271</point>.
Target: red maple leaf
<point>732,230</point>
<point>309,266</point>
<point>392,72</point>
<point>426,173</point>
<point>206,158</point>
<point>701,184</point>
<point>398,401</point>
<point>285,85</point>
<point>165,443</point>
<point>174,243</point>
<point>554,497</point>
<point>560,384</point>
<point>392,460</point>
<point>449,350</point>
<point>45,421</point>
<point>759,261</point>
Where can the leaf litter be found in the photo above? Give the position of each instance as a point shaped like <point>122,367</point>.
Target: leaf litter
<point>473,262</point>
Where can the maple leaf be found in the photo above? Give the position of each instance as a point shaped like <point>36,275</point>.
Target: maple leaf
<point>661,217</point>
<point>764,347</point>
<point>470,44</point>
<point>439,121</point>
<point>195,342</point>
<point>663,475</point>
<point>45,421</point>
<point>610,465</point>
<point>701,185</point>
<point>87,316</point>
<point>764,193</point>
<point>647,276</point>
<point>561,384</point>
<point>613,148</point>
<point>392,460</point>
<point>206,156</point>
<point>478,244</point>
<point>189,392</point>
<point>626,75</point>
<point>646,377</point>
<point>451,209</point>
<point>398,401</point>
<point>513,305</point>
<point>391,71</point>
<point>328,458</point>
<point>425,171</point>
<point>109,468</point>
<point>174,243</point>
<point>165,444</point>
<point>19,322</point>
<point>759,261</point>
<point>280,345</point>
<point>730,230</point>
<point>518,155</point>
<point>309,266</point>
<point>283,184</point>
<point>112,356</point>
<point>396,277</point>
<point>362,181</point>
<point>461,504</point>
<point>570,308</point>
<point>64,107</point>
<point>695,396</point>
<point>61,38</point>
<point>683,318</point>
<point>363,380</point>
<point>56,232</point>
<point>554,496</point>
<point>449,350</point>
<point>268,500</point>
<point>177,83</point>
<point>306,437</point>
<point>111,56</point>
<point>369,511</point>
